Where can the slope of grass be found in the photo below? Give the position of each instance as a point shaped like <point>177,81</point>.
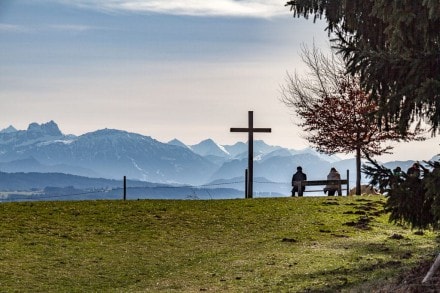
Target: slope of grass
<point>277,244</point>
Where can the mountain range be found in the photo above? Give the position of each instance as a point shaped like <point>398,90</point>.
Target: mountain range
<point>112,154</point>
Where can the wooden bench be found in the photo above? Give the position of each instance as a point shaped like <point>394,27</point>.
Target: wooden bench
<point>340,182</point>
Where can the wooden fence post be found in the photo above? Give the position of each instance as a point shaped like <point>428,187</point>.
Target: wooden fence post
<point>246,183</point>
<point>125,187</point>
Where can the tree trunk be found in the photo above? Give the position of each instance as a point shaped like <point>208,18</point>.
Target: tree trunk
<point>358,171</point>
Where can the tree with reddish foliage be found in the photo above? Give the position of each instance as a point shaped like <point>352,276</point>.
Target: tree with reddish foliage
<point>336,113</point>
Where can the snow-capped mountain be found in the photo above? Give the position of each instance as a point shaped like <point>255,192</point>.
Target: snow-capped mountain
<point>110,153</point>
<point>236,149</point>
<point>240,149</point>
<point>34,134</point>
<point>210,148</point>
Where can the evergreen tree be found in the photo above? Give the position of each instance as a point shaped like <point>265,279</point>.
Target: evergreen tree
<point>394,46</point>
<point>410,200</point>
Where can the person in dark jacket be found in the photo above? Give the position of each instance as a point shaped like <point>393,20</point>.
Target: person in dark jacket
<point>296,179</point>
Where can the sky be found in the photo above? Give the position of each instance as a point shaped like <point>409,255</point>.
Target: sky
<point>185,69</point>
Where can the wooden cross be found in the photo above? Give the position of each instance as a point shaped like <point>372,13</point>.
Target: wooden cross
<point>250,130</point>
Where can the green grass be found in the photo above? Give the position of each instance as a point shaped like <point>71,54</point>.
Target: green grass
<point>277,244</point>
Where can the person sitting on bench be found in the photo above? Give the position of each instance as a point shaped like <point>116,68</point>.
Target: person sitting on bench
<point>332,188</point>
<point>296,179</point>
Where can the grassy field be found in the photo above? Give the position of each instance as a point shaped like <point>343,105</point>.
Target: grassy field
<point>316,244</point>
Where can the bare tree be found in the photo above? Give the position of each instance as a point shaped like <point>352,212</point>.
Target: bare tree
<point>335,112</point>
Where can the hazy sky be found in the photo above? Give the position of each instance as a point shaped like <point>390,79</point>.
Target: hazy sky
<point>186,69</point>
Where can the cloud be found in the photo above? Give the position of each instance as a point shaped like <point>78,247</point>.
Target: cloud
<point>71,27</point>
<point>12,28</point>
<point>229,8</point>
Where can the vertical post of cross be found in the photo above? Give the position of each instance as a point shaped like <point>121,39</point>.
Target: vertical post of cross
<point>250,153</point>
<point>250,130</point>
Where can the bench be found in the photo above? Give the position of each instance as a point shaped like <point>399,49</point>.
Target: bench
<point>340,182</point>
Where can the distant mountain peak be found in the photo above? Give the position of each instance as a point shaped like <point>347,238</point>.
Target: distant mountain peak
<point>211,142</point>
<point>210,147</point>
<point>106,132</point>
<point>177,142</point>
<point>49,128</point>
<point>9,129</point>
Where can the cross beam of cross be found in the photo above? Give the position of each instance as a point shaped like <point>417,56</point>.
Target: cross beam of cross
<point>250,130</point>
